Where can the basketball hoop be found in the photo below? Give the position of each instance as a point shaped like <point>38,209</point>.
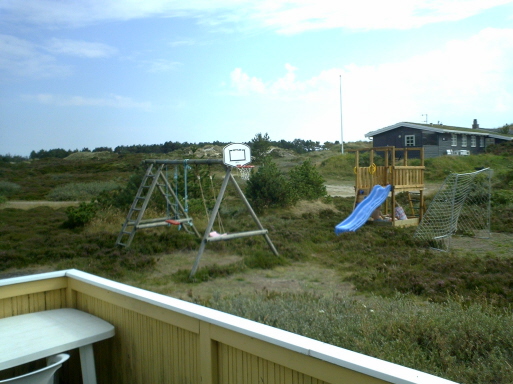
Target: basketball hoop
<point>244,171</point>
<point>238,156</point>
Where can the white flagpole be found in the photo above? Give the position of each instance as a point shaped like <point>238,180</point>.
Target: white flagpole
<point>341,126</point>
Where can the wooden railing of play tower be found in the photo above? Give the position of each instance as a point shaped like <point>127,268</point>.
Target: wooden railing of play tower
<point>394,170</point>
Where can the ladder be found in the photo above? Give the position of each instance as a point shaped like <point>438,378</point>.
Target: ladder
<point>152,179</point>
<point>414,200</point>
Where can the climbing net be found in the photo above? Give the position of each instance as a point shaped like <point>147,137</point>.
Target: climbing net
<point>461,207</point>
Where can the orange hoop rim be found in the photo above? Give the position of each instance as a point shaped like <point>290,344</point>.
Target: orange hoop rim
<point>245,166</point>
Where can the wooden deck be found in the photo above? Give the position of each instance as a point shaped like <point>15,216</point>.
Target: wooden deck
<point>160,339</point>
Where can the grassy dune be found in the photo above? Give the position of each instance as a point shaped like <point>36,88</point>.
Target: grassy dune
<point>375,291</point>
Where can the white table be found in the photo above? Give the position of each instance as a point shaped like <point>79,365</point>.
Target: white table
<point>37,335</point>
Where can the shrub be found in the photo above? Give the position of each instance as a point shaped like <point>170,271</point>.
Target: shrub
<point>80,191</point>
<point>269,187</point>
<point>470,343</point>
<point>502,197</point>
<point>307,181</point>
<point>7,188</point>
<point>260,146</point>
<point>339,167</point>
<point>122,197</point>
<point>81,215</point>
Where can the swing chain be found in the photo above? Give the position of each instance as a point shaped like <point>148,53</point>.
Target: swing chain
<point>185,197</point>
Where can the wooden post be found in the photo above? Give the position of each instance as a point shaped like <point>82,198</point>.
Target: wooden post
<point>206,237</point>
<point>253,215</point>
<point>211,220</point>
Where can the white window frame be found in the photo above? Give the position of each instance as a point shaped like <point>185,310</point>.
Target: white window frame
<point>454,140</point>
<point>409,140</point>
<point>463,140</point>
<point>473,141</point>
<point>481,141</point>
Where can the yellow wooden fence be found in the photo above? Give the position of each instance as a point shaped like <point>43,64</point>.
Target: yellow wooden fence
<point>160,339</point>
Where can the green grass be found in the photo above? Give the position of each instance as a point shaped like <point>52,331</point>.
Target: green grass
<point>444,313</point>
<point>81,191</point>
<point>439,168</point>
<point>38,178</point>
<point>37,237</point>
<point>467,343</point>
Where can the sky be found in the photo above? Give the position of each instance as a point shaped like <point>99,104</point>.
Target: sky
<point>105,73</point>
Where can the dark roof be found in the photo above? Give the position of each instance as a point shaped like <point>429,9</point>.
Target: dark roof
<point>443,129</point>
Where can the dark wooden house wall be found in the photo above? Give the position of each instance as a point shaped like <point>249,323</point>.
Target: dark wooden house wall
<point>435,143</point>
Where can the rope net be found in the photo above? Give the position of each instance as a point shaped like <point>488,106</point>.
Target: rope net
<point>461,207</point>
<point>244,171</point>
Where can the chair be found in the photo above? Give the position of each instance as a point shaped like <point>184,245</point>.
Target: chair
<point>41,376</point>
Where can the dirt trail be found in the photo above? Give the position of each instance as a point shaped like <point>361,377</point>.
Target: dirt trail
<point>18,204</point>
<point>347,190</point>
<point>340,190</point>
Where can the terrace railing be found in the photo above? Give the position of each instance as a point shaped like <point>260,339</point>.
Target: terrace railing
<point>160,339</point>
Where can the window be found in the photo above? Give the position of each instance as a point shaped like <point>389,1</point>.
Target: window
<point>409,140</point>
<point>473,141</point>
<point>454,140</point>
<point>463,140</point>
<point>481,141</point>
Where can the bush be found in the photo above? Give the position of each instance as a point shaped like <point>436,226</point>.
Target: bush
<point>260,146</point>
<point>502,197</point>
<point>269,187</point>
<point>307,181</point>
<point>7,188</point>
<point>470,343</point>
<point>81,191</point>
<point>81,215</point>
<point>339,167</point>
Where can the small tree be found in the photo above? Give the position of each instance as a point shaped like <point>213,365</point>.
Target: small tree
<point>260,146</point>
<point>505,128</point>
<point>307,181</point>
<point>269,187</point>
<point>81,215</point>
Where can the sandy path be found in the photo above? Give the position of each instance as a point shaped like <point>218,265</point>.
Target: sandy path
<point>340,190</point>
<point>18,204</point>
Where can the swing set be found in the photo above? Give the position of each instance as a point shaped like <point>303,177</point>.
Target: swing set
<point>235,156</point>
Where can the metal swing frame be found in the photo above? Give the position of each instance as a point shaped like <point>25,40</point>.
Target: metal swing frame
<point>134,219</point>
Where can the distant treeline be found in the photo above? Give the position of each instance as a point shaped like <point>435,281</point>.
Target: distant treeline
<point>297,145</point>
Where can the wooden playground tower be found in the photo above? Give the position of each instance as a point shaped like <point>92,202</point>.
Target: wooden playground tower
<point>395,171</point>
<point>155,180</point>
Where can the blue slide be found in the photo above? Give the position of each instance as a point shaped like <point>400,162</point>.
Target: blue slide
<point>362,212</point>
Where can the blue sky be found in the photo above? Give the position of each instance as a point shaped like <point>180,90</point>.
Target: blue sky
<point>92,73</point>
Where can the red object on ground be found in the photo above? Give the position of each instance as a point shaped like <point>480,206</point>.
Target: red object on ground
<point>173,222</point>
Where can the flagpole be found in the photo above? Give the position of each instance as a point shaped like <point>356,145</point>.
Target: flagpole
<point>341,126</point>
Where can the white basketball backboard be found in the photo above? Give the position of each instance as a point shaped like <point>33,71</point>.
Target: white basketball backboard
<point>236,154</point>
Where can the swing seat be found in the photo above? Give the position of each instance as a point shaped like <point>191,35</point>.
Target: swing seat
<point>173,222</point>
<point>215,234</point>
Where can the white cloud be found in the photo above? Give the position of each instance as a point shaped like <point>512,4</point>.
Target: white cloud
<point>464,78</point>
<point>294,17</point>
<point>284,16</point>
<point>79,48</point>
<point>244,84</point>
<point>112,101</point>
<point>160,65</point>
<point>182,42</point>
<point>23,58</point>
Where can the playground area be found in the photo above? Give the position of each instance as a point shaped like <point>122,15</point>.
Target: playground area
<point>390,191</point>
<point>380,176</point>
<point>156,181</point>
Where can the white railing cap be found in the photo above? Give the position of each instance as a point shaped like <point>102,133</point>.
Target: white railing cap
<point>355,361</point>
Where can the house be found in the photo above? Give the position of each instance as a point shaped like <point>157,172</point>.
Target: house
<point>438,139</point>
